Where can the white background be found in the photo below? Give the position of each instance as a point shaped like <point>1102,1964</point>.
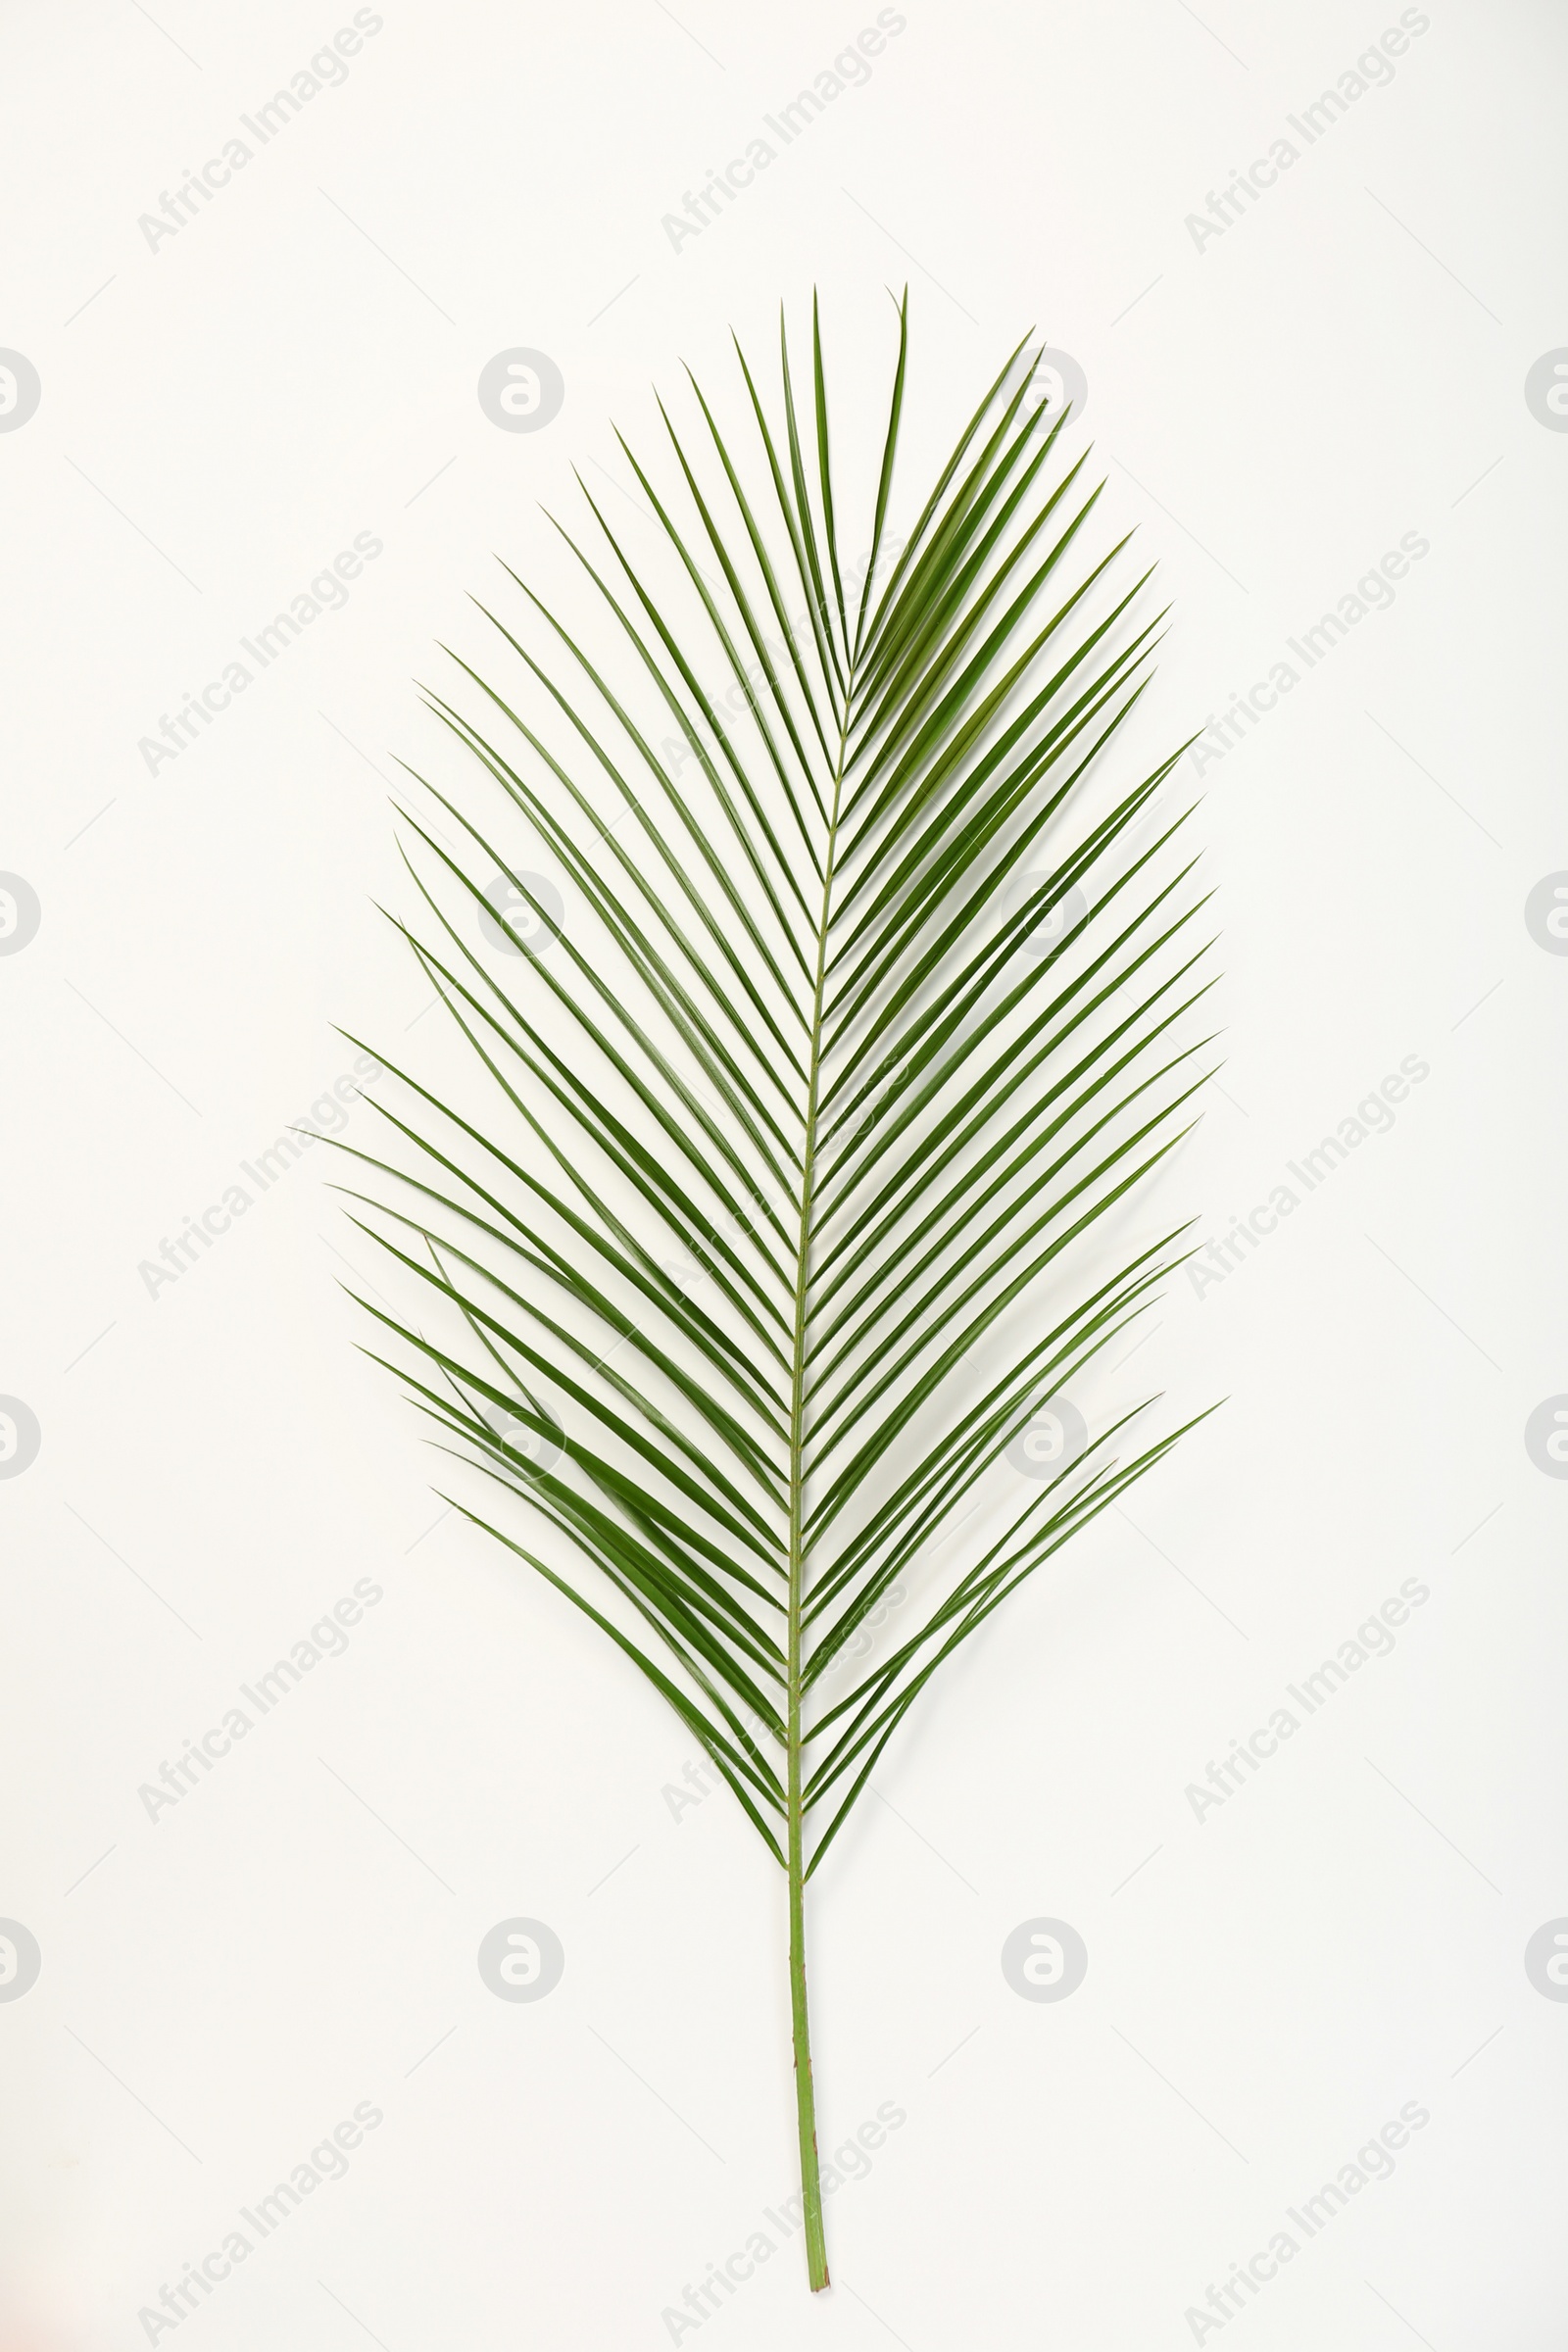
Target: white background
<point>1274,409</point>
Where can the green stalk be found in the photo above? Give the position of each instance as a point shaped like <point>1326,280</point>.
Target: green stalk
<point>805,2092</point>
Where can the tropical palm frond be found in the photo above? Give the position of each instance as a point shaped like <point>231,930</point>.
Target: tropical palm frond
<point>795,1180</point>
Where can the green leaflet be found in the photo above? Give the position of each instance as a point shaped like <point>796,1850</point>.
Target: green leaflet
<point>771,1191</point>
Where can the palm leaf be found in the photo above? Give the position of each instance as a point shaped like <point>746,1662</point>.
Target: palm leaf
<point>797,1170</point>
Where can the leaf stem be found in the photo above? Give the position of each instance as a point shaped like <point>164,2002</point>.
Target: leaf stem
<point>805,2092</point>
